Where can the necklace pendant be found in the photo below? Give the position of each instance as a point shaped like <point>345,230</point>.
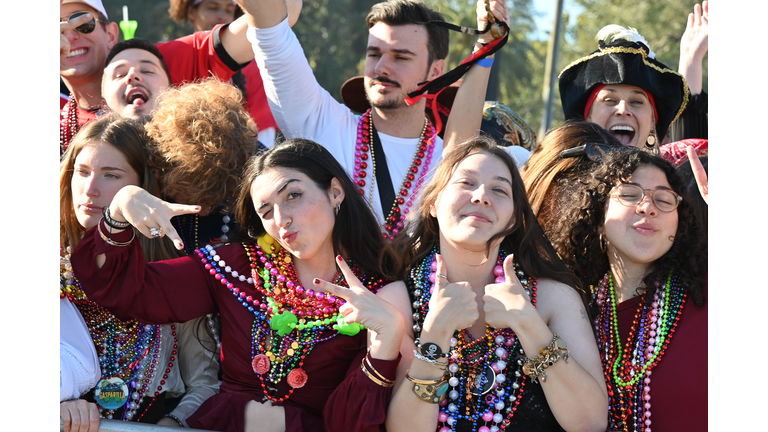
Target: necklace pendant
<point>297,378</point>
<point>484,381</point>
<point>261,364</point>
<point>111,393</point>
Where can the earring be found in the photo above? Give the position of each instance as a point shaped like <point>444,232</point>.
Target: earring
<point>603,243</point>
<point>338,207</point>
<point>651,140</point>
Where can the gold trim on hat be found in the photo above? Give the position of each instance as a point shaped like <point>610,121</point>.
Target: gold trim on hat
<point>642,52</point>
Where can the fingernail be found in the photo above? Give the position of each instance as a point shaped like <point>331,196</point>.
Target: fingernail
<point>197,207</point>
<point>316,281</point>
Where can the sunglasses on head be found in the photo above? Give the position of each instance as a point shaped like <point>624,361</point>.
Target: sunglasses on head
<point>593,151</point>
<point>86,28</point>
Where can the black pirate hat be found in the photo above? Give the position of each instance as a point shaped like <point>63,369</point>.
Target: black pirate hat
<point>622,61</point>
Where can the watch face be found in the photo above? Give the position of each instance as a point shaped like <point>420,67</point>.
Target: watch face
<point>431,351</point>
<point>484,381</point>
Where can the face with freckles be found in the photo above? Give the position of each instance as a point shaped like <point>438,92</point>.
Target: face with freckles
<point>476,203</point>
<point>100,171</point>
<point>626,112</point>
<point>639,234</point>
<point>297,212</point>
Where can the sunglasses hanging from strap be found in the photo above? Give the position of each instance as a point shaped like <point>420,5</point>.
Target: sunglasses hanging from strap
<point>431,89</point>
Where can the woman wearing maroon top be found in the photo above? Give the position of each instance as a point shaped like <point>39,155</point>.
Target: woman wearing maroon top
<point>293,355</point>
<point>634,236</point>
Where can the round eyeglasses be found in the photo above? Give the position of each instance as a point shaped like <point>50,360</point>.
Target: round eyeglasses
<point>632,195</point>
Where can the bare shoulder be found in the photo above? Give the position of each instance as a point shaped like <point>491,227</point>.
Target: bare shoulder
<point>555,297</point>
<point>394,291</point>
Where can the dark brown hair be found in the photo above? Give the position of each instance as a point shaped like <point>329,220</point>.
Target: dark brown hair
<point>356,233</point>
<point>142,44</point>
<point>403,12</point>
<point>524,238</point>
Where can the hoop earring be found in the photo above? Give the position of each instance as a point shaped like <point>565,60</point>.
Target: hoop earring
<point>603,244</point>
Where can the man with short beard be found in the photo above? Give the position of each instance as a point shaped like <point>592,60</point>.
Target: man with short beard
<point>390,149</point>
<point>85,46</point>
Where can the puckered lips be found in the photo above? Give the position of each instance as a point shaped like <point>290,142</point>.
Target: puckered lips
<point>644,228</point>
<point>623,133</point>
<point>137,96</point>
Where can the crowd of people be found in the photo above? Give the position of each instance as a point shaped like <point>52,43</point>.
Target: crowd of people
<point>241,252</point>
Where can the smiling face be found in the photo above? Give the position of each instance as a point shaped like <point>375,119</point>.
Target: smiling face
<point>625,111</point>
<point>640,234</point>
<point>208,13</point>
<point>100,171</point>
<point>476,203</point>
<point>296,211</point>
<point>88,52</point>
<point>396,62</point>
<point>132,82</point>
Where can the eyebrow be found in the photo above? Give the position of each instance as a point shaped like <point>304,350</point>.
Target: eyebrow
<point>106,168</point>
<point>394,50</point>
<point>498,177</point>
<point>279,190</point>
<point>638,92</point>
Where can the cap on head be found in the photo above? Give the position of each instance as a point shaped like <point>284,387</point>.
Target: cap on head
<point>96,4</point>
<point>624,57</point>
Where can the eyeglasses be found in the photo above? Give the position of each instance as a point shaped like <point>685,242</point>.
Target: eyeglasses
<point>593,151</point>
<point>86,28</point>
<point>632,195</point>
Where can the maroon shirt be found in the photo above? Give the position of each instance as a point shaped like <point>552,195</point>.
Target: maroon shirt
<point>337,396</point>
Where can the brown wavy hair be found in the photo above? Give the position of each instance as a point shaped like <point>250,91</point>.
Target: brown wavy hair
<point>178,10</point>
<point>127,136</point>
<point>583,214</point>
<point>201,138</point>
<point>525,238</point>
<point>549,177</point>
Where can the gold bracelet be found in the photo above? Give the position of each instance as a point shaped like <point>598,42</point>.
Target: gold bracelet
<point>387,383</point>
<point>430,391</point>
<point>548,356</point>
<point>111,242</point>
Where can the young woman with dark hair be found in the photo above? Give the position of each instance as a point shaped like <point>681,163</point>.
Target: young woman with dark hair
<point>293,354</point>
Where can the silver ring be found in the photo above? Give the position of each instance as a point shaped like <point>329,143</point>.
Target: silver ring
<point>154,232</point>
<point>443,276</point>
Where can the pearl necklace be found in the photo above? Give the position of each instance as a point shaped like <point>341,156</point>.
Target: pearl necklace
<point>628,371</point>
<point>128,350</point>
<point>481,390</point>
<point>289,320</point>
<point>409,188</point>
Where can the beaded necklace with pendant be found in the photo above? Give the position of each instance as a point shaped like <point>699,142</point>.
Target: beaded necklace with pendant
<point>482,392</point>
<point>627,369</point>
<point>289,320</point>
<point>128,350</point>
<point>409,189</point>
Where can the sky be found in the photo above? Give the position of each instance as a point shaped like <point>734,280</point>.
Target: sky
<point>545,14</point>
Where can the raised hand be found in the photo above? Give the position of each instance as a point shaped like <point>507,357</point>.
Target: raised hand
<point>500,13</point>
<point>699,173</point>
<point>694,45</point>
<point>79,416</point>
<point>452,306</point>
<point>149,214</point>
<point>506,304</point>
<point>64,45</point>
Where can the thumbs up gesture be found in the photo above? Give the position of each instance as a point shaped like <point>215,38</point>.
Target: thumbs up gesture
<point>506,304</point>
<point>452,306</point>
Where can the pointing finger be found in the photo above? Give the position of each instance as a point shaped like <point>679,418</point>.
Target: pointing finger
<point>332,289</point>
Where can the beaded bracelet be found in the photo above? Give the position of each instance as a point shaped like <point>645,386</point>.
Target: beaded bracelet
<point>111,222</point>
<point>173,417</point>
<point>430,391</point>
<point>548,356</point>
<point>435,363</point>
<point>375,376</point>
<point>430,350</point>
<point>111,242</point>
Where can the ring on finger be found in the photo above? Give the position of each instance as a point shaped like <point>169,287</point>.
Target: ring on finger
<point>443,276</point>
<point>155,232</point>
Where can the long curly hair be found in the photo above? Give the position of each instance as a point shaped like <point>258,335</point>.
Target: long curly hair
<point>577,237</point>
<point>525,238</point>
<point>200,139</point>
